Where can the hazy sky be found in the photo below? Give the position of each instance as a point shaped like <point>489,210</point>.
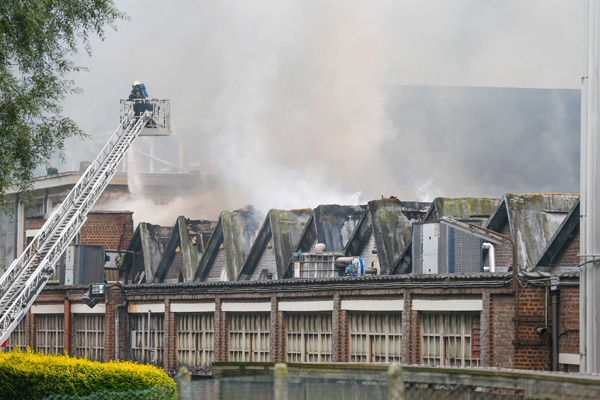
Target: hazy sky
<point>300,103</point>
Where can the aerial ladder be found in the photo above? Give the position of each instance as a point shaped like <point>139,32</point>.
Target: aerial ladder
<point>27,275</point>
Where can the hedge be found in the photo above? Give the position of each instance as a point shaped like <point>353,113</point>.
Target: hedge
<point>27,375</point>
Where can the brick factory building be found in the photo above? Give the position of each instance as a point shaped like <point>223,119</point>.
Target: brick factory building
<point>281,287</point>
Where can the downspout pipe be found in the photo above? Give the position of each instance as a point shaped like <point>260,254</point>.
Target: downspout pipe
<point>67,324</point>
<point>16,215</point>
<point>149,349</point>
<point>555,294</point>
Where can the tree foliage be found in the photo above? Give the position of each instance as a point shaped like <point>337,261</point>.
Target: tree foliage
<point>37,40</point>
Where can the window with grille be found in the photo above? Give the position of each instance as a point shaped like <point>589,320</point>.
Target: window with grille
<point>375,337</point>
<point>89,336</point>
<point>195,339</point>
<point>309,338</point>
<point>249,335</point>
<point>451,339</point>
<point>50,336</point>
<point>147,345</point>
<point>18,337</point>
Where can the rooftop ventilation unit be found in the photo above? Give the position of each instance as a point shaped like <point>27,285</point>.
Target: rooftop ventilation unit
<point>440,249</point>
<point>316,265</point>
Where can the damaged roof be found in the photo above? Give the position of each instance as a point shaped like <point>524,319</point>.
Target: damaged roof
<point>148,241</point>
<point>335,224</point>
<point>533,219</point>
<point>282,230</point>
<point>189,236</point>
<point>415,211</point>
<point>234,234</point>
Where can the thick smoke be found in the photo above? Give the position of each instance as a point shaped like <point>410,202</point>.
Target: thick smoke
<point>288,104</point>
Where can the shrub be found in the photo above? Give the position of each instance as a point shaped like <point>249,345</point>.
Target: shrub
<point>27,375</point>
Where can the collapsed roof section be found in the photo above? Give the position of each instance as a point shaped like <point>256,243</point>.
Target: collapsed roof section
<point>144,253</point>
<point>229,245</point>
<point>415,211</point>
<point>241,248</point>
<point>462,208</point>
<point>183,250</point>
<point>277,239</point>
<point>533,220</point>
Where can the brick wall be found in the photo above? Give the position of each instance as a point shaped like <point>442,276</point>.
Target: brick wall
<point>267,261</point>
<point>570,256</point>
<point>217,267</point>
<point>34,223</point>
<point>568,315</point>
<point>370,259</point>
<point>504,255</point>
<point>115,308</point>
<point>114,230</point>
<point>499,343</point>
<point>533,351</point>
<point>502,330</point>
<point>176,269</point>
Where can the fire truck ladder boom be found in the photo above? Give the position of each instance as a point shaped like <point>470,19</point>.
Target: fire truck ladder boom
<point>27,275</point>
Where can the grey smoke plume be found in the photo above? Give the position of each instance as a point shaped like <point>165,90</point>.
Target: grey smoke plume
<point>298,103</point>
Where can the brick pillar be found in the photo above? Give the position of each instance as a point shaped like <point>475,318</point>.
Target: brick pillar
<point>336,335</point>
<point>33,331</point>
<point>219,352</point>
<point>169,343</point>
<point>407,331</point>
<point>115,297</point>
<point>344,355</point>
<point>274,329</point>
<point>29,331</point>
<point>485,321</point>
<point>282,336</point>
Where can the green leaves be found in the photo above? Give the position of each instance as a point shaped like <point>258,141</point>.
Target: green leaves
<point>37,39</point>
<point>26,375</point>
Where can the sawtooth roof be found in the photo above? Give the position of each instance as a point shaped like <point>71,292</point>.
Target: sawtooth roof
<point>148,243</point>
<point>386,221</point>
<point>461,208</point>
<point>284,228</point>
<point>534,220</point>
<point>190,237</point>
<point>234,234</point>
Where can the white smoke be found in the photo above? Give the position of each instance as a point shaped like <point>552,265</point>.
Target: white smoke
<point>283,102</point>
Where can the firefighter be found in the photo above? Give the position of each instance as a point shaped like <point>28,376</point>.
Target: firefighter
<point>137,95</point>
<point>138,91</point>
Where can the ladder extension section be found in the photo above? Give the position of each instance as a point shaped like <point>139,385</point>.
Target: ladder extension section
<point>27,275</point>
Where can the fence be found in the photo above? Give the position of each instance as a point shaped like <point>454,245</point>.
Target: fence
<point>353,382</point>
